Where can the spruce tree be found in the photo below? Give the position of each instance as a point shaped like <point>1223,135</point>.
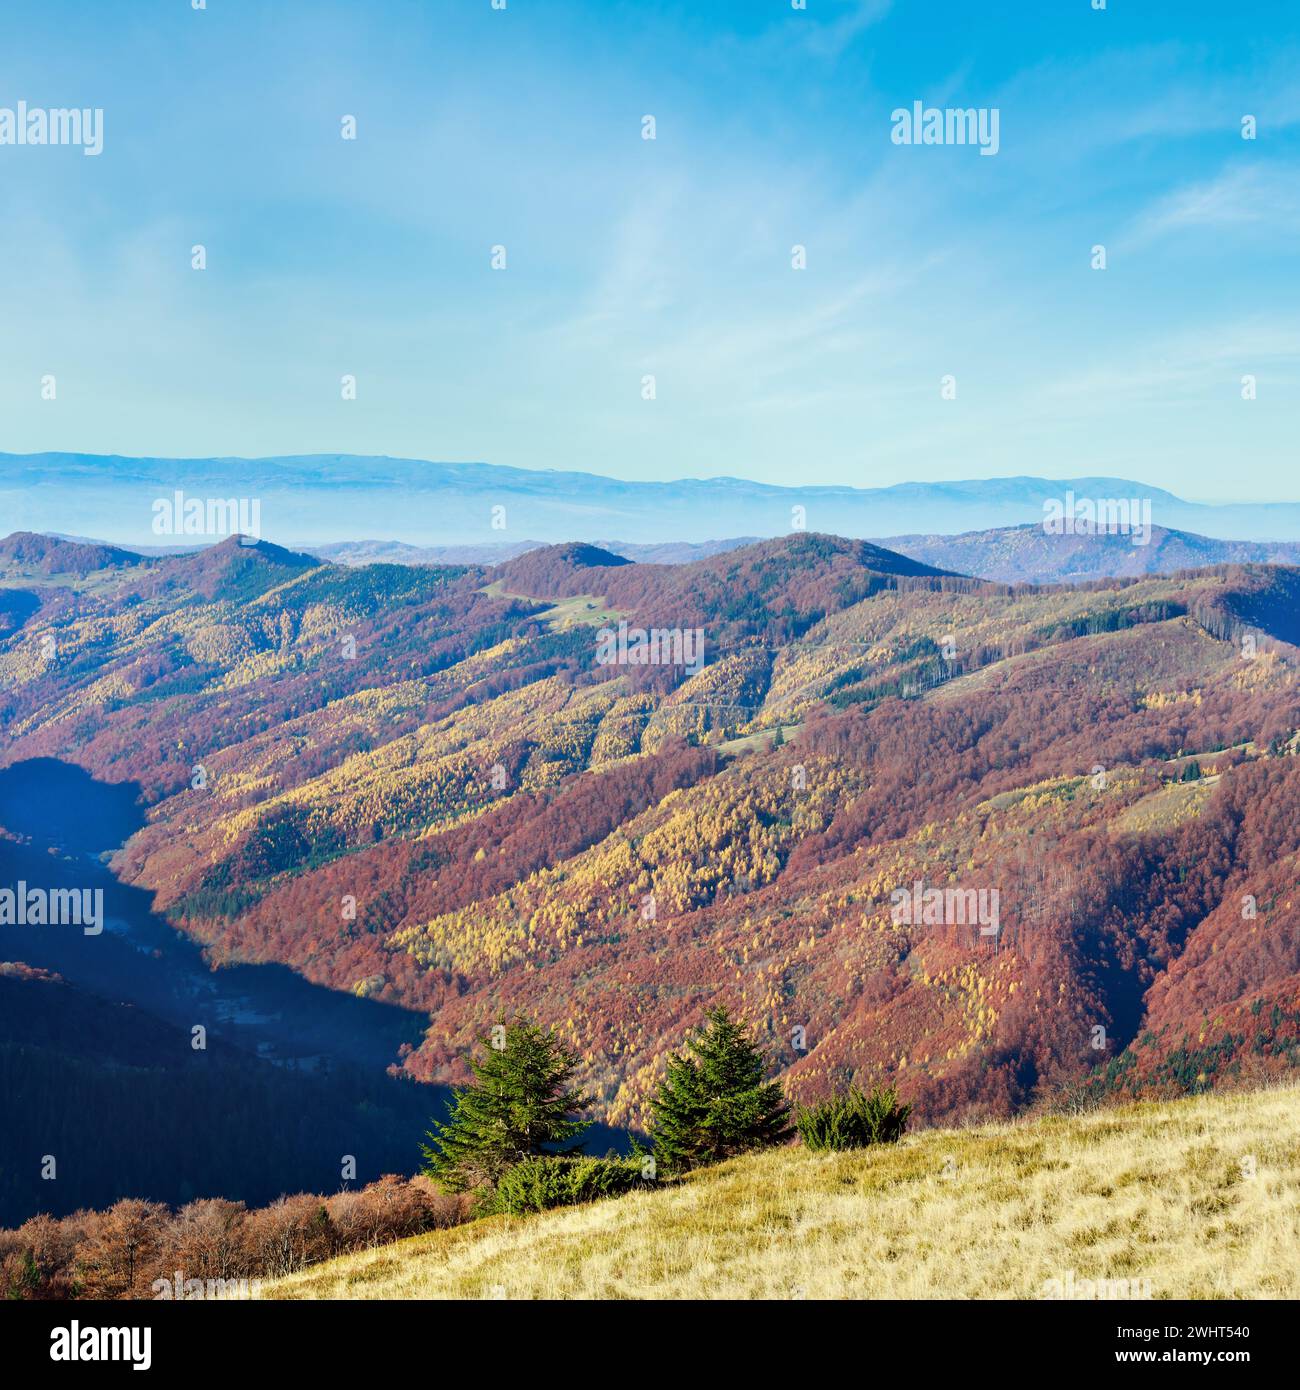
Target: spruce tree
<point>519,1103</point>
<point>713,1102</point>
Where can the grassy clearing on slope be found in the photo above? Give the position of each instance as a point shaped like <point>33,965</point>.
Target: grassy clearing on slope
<point>581,610</point>
<point>1156,1192</point>
<point>1165,809</point>
<point>753,743</point>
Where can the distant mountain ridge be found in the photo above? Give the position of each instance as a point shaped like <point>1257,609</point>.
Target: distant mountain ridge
<point>1028,555</point>
<point>1005,555</point>
<point>399,553</point>
<point>309,499</point>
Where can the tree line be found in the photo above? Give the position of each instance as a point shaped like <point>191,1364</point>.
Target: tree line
<point>511,1144</point>
<point>513,1136</point>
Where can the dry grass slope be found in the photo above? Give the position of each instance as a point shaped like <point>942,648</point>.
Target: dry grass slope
<point>1156,1192</point>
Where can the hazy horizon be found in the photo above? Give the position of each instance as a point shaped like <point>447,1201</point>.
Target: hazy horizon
<point>328,499</point>
<point>1042,474</point>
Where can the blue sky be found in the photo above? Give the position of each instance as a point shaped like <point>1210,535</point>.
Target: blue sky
<point>626,257</point>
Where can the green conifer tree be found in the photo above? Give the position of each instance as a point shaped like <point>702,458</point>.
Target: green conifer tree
<point>520,1104</point>
<point>713,1102</point>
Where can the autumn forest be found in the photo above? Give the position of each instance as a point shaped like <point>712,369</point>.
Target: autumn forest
<point>416,790</point>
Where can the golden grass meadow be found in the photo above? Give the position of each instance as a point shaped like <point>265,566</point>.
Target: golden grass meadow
<point>1195,1198</point>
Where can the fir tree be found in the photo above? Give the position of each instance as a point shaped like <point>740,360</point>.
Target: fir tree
<point>519,1102</point>
<point>713,1102</point>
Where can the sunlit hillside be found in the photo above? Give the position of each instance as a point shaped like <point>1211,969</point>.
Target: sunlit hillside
<point>422,787</point>
<point>1197,1198</point>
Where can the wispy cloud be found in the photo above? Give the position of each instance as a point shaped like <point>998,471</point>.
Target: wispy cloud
<point>1260,195</point>
<point>1170,368</point>
<point>829,38</point>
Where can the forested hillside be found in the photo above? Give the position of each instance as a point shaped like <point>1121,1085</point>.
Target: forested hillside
<point>421,786</point>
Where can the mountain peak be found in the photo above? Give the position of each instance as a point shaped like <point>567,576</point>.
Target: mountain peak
<point>238,567</point>
<point>583,555</point>
<point>817,550</point>
<point>560,569</point>
<point>237,546</point>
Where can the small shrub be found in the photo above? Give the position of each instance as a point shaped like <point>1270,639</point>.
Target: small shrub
<point>538,1184</point>
<point>853,1120</point>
